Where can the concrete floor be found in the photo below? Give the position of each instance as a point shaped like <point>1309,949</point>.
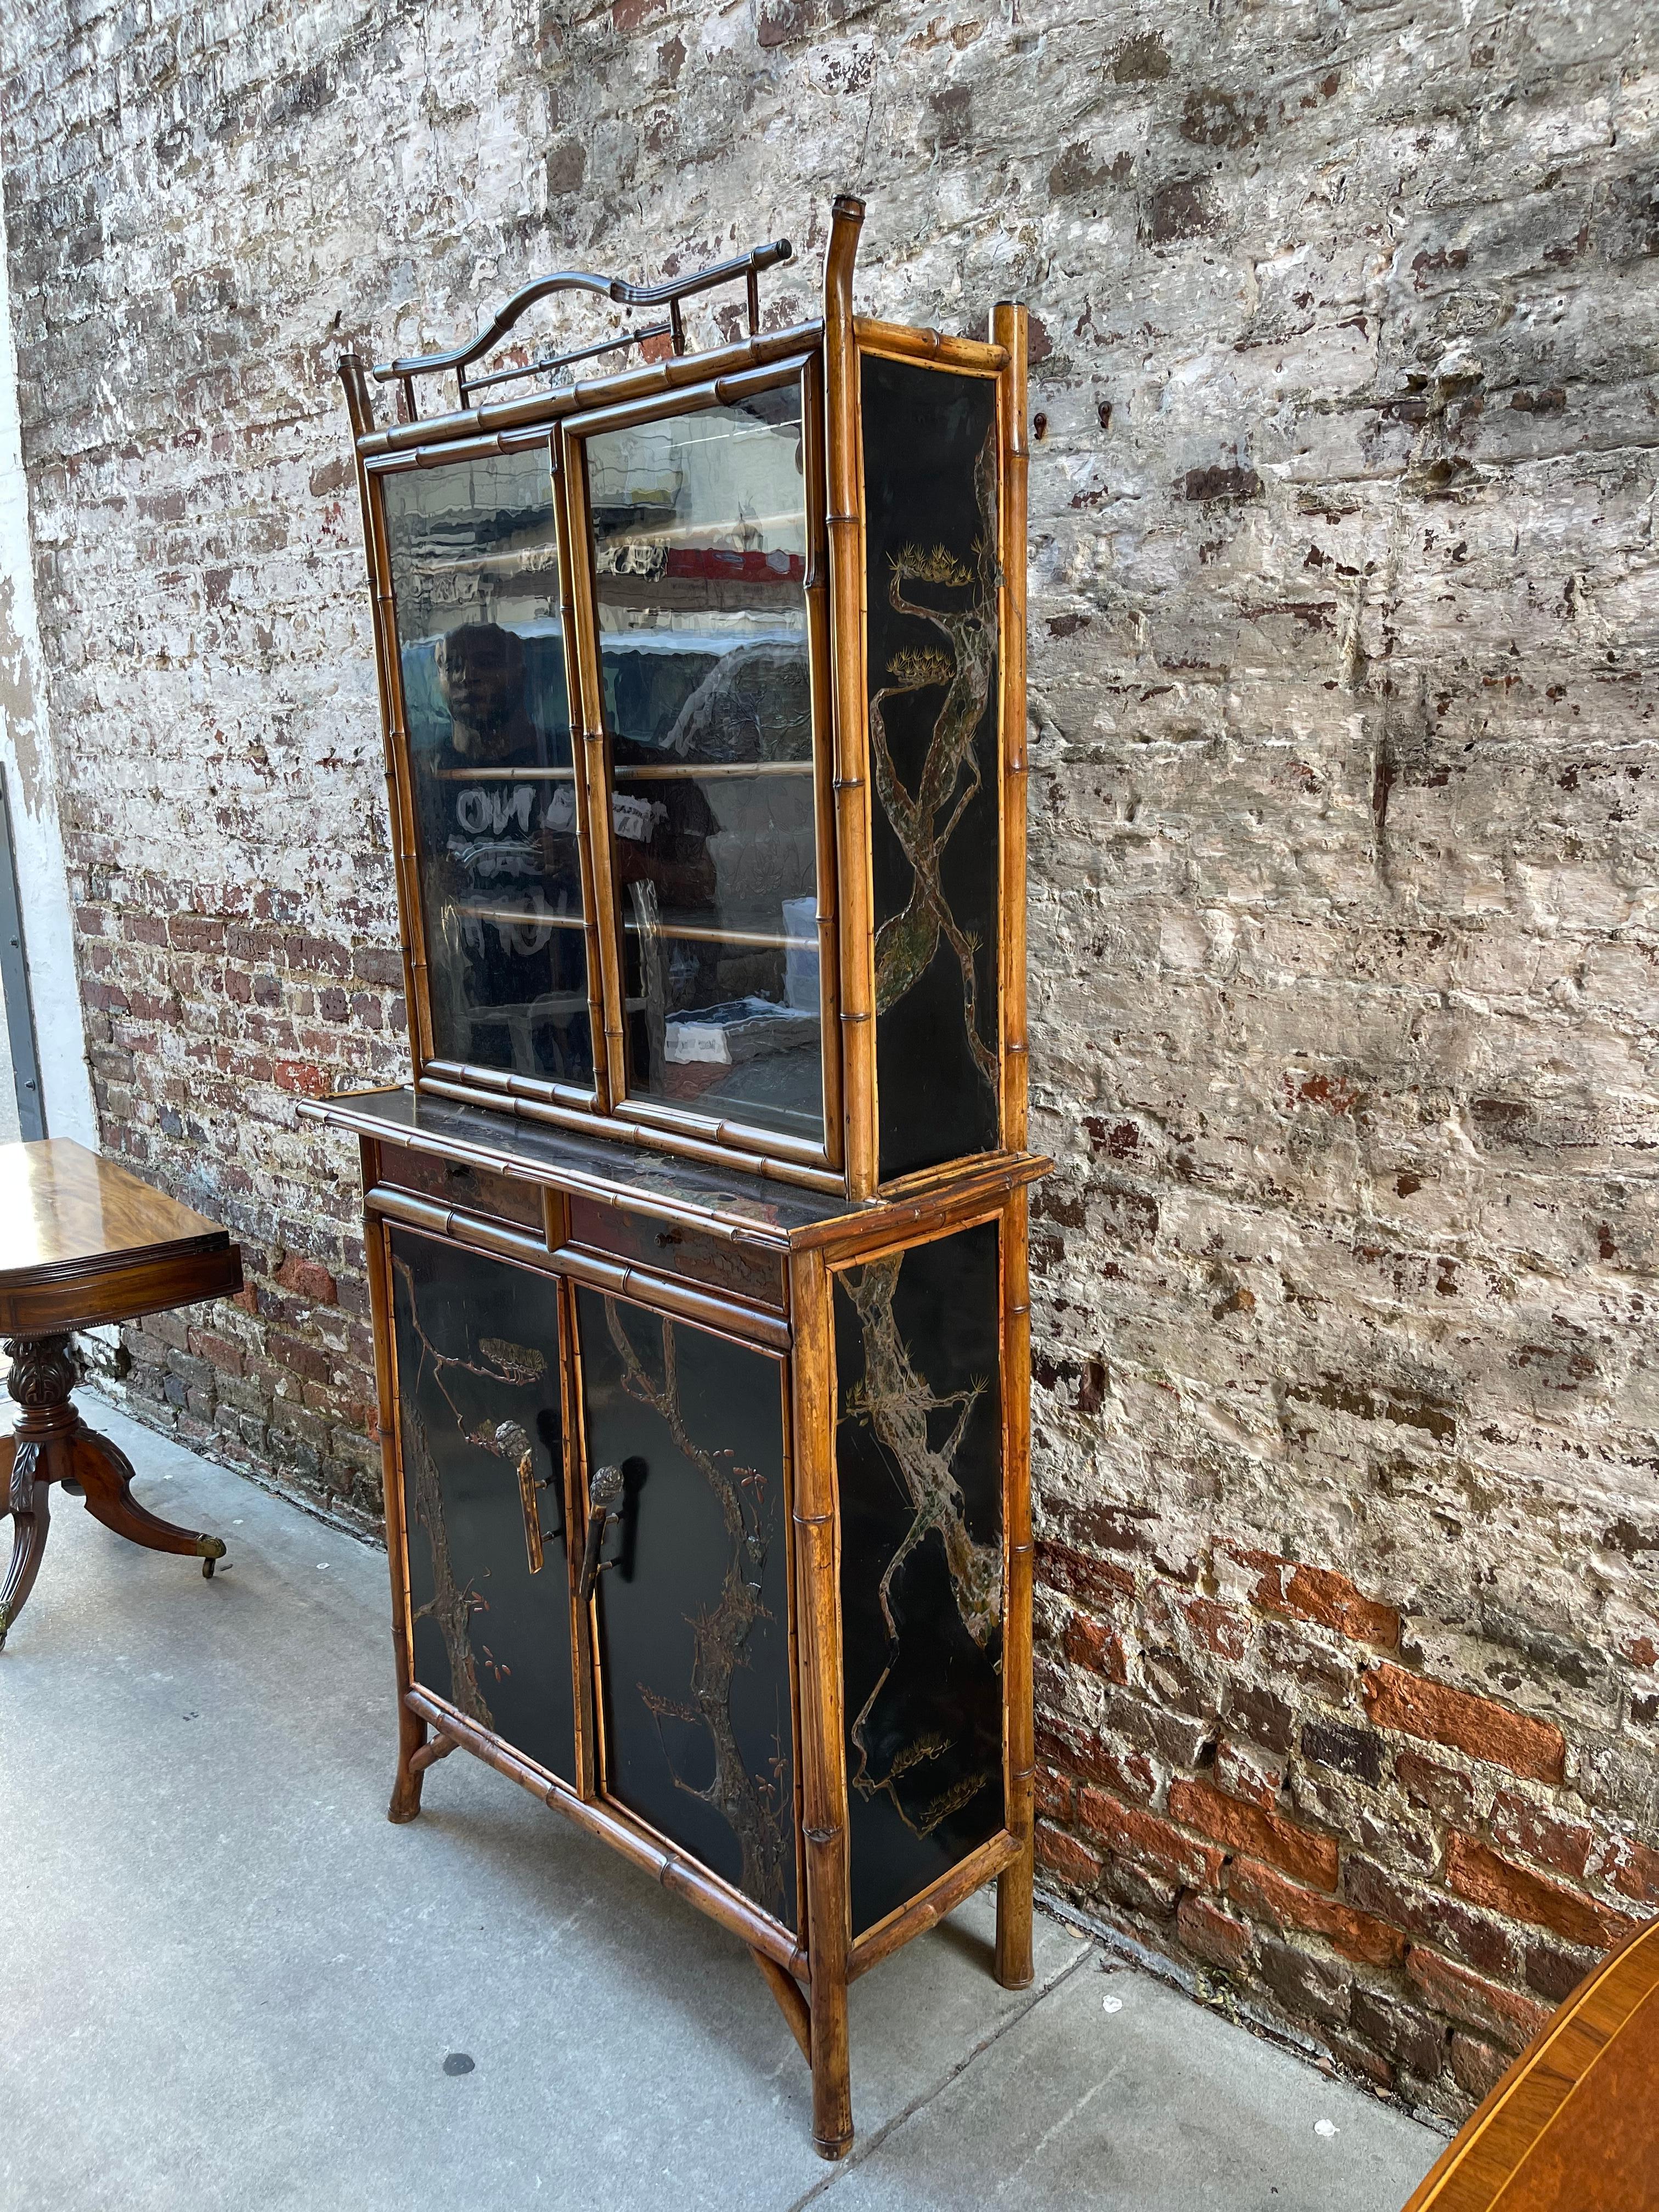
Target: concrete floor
<point>229,1983</point>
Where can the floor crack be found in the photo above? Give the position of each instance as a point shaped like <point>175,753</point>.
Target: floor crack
<point>866,2148</point>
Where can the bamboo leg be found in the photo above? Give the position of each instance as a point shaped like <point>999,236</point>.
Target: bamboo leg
<point>823,1750</point>
<point>411,1738</point>
<point>832,2082</point>
<point>1014,1968</point>
<point>412,1728</point>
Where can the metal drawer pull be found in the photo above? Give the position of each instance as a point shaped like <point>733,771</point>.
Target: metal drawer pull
<point>605,1505</point>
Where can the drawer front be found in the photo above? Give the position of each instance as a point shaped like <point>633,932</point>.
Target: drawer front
<point>481,1451</point>
<point>458,1182</point>
<point>692,1616</point>
<point>669,1249</point>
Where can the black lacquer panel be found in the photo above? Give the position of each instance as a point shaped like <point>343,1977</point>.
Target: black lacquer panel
<point>694,1616</point>
<point>479,1433</point>
<point>930,476</point>
<point>919,1466</point>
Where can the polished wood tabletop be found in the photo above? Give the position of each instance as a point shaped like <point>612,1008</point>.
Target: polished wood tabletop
<point>84,1240</point>
<point>1574,2125</point>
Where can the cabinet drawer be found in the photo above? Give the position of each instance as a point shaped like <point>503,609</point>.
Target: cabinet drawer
<point>457,1183</point>
<point>670,1249</point>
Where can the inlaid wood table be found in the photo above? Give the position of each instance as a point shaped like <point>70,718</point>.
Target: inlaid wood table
<point>1574,2125</point>
<point>82,1241</point>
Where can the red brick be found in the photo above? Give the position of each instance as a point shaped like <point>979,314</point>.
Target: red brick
<point>1128,1774</point>
<point>1243,1772</point>
<point>1437,1789</point>
<point>219,1350</point>
<point>1432,1916</point>
<point>308,1279</point>
<point>1063,1855</point>
<point>1317,1594</point>
<point>1222,1628</point>
<point>1214,1936</point>
<point>301,1076</point>
<point>1522,1827</point>
<point>1264,1835</point>
<point>1262,1893</point>
<point>1053,1794</point>
<point>1417,1706</point>
<point>1095,1583</point>
<point>1512,2019</point>
<point>1635,1871</point>
<point>1138,1835</point>
<point>1090,1644</point>
<point>1481,1876</point>
<point>1477,2066</point>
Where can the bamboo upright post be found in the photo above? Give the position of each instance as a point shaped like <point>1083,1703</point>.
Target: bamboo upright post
<point>412,1728</point>
<point>1008,330</point>
<point>823,1737</point>
<point>852,736</point>
<point>1013,1967</point>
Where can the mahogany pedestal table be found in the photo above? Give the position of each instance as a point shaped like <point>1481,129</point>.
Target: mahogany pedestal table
<point>82,1241</point>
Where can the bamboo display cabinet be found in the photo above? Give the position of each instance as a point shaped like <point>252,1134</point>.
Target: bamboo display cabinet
<point>697,1247</point>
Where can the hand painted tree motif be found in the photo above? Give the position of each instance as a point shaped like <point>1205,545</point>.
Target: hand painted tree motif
<point>923,820</point>
<point>454,1605</point>
<point>757,1808</point>
<point>898,1405</point>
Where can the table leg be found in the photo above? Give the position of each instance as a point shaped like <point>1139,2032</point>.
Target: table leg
<point>52,1443</point>
<point>105,1472</point>
<point>25,1501</point>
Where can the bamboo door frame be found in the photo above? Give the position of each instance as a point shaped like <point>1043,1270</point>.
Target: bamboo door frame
<point>487,1086</point>
<point>749,1143</point>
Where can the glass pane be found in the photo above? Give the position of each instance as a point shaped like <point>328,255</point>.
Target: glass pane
<point>475,573</point>
<point>700,559</point>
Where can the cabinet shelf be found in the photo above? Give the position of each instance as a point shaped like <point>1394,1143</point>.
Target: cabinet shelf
<point>692,932</point>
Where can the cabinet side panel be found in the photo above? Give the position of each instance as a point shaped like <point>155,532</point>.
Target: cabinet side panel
<point>694,1613</point>
<point>479,1437</point>
<point>919,1476</point>
<point>932,535</point>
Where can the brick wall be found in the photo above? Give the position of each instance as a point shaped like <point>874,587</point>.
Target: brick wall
<point>1343,931</point>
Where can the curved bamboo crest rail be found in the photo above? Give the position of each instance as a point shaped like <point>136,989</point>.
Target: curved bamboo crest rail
<point>668,293</point>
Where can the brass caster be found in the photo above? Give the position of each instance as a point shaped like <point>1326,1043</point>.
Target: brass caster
<point>212,1549</point>
<point>207,1569</point>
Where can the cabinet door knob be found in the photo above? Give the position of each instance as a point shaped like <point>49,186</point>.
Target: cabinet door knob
<point>605,1505</point>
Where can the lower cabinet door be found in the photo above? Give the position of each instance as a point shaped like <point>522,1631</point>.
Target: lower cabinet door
<point>693,1614</point>
<point>481,1446</point>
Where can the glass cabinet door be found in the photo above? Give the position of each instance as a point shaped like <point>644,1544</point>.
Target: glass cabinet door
<point>699,524</point>
<point>473,549</point>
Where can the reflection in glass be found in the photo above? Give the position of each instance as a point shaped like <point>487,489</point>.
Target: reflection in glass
<point>475,573</point>
<point>700,559</point>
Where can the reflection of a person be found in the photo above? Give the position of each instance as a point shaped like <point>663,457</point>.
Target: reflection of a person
<point>668,845</point>
<point>503,846</point>
<point>481,676</point>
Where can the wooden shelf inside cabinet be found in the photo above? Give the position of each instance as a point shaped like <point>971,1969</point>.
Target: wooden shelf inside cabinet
<point>697,1247</point>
